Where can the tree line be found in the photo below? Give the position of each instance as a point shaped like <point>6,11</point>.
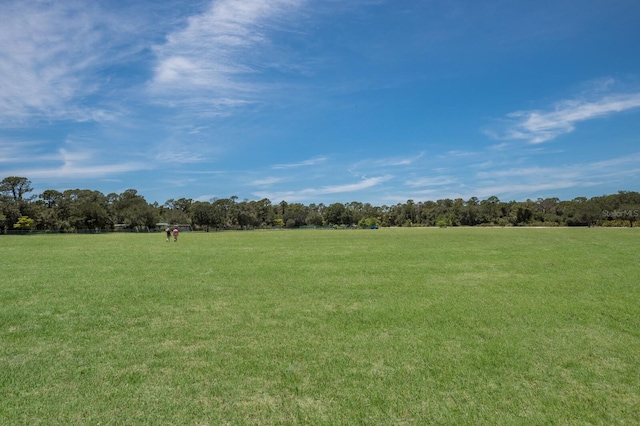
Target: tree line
<point>79,209</point>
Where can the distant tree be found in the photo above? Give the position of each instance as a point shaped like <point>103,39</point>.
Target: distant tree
<point>523,214</point>
<point>24,223</point>
<point>202,214</point>
<point>132,210</point>
<point>442,222</point>
<point>51,198</point>
<point>221,209</point>
<point>490,210</point>
<point>314,219</point>
<point>13,200</point>
<point>442,208</point>
<point>368,222</point>
<point>85,208</point>
<point>396,215</point>
<point>177,211</point>
<point>587,213</point>
<point>15,187</point>
<point>470,212</point>
<point>246,215</point>
<point>354,212</point>
<point>531,214</point>
<point>334,214</point>
<point>10,212</point>
<point>296,211</point>
<point>81,209</point>
<point>630,213</point>
<point>264,211</point>
<point>283,207</point>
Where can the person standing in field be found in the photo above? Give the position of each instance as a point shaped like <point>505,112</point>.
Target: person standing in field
<point>168,231</point>
<point>175,235</point>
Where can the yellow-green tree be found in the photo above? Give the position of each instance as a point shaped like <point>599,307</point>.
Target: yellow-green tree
<point>24,223</point>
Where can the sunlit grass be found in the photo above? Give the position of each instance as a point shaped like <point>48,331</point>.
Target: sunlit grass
<point>392,326</point>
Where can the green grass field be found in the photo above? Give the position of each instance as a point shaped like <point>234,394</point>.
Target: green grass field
<point>389,326</point>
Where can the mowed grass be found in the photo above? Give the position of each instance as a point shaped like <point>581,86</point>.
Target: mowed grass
<point>389,326</point>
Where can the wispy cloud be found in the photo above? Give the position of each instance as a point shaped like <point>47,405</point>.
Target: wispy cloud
<point>12,152</point>
<point>431,181</point>
<point>310,193</point>
<point>403,161</point>
<point>50,54</point>
<point>529,180</point>
<point>78,164</point>
<point>351,187</point>
<point>510,182</point>
<point>457,153</point>
<point>368,166</point>
<point>268,181</point>
<point>67,171</point>
<point>542,126</point>
<point>212,58</point>
<point>390,161</point>
<point>531,190</point>
<point>531,172</point>
<point>310,162</point>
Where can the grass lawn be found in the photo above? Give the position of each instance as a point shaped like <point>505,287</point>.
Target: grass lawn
<point>388,326</point>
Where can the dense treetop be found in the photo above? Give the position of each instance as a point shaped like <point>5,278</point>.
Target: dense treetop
<point>76,209</point>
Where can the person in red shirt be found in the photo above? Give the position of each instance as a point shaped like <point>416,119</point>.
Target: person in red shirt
<point>175,234</point>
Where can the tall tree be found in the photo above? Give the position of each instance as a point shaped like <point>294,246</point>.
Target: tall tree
<point>202,214</point>
<point>13,203</point>
<point>334,214</point>
<point>84,209</point>
<point>15,187</point>
<point>132,210</point>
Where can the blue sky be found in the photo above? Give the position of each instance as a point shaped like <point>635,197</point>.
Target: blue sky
<point>322,101</point>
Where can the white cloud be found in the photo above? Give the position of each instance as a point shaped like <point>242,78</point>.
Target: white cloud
<point>531,180</point>
<point>431,181</point>
<point>76,164</point>
<point>37,69</point>
<point>530,189</point>
<point>403,161</point>
<point>50,57</point>
<point>267,181</point>
<point>390,161</point>
<point>364,184</point>
<point>82,171</point>
<point>310,193</point>
<point>542,126</point>
<point>530,172</point>
<point>216,52</point>
<point>310,162</point>
<point>22,151</point>
<point>457,153</point>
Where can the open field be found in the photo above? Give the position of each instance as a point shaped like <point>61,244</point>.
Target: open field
<point>392,326</point>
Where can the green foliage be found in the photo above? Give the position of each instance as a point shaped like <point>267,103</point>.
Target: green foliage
<point>24,223</point>
<point>314,219</point>
<point>368,222</point>
<point>86,209</point>
<point>335,214</point>
<point>132,210</point>
<point>15,187</point>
